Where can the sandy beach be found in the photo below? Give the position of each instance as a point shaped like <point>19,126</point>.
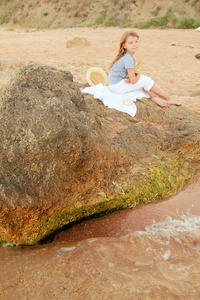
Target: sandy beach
<point>168,55</point>
<point>150,252</point>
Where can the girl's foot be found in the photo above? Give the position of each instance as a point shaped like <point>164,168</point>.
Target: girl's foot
<point>173,102</point>
<point>160,102</point>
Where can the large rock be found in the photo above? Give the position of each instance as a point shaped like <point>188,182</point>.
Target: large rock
<point>78,42</point>
<point>64,157</point>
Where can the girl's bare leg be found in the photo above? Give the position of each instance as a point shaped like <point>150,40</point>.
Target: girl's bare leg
<point>160,102</point>
<point>156,99</point>
<point>160,92</point>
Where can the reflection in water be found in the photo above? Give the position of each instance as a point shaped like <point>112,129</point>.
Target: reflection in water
<point>150,252</point>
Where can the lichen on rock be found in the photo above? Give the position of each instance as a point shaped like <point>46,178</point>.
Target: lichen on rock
<point>65,157</point>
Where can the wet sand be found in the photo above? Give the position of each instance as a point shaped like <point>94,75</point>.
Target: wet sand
<point>149,252</point>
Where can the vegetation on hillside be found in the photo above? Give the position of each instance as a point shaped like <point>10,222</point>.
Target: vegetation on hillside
<point>72,13</point>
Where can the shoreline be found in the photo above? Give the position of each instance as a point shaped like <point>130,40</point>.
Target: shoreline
<point>123,222</point>
<point>161,261</point>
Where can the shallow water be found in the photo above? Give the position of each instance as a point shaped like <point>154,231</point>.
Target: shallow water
<point>126,221</point>
<point>150,252</point>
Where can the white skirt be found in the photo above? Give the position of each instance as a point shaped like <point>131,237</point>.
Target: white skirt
<point>123,87</point>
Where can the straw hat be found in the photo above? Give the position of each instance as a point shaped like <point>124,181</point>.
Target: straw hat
<point>96,75</point>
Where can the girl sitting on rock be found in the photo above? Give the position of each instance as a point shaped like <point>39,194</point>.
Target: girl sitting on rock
<point>123,79</point>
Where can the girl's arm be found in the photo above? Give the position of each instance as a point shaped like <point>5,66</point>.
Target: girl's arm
<point>132,76</point>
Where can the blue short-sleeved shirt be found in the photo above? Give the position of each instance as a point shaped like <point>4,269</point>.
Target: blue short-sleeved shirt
<point>119,70</point>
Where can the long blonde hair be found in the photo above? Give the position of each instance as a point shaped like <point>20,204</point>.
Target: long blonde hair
<point>122,50</point>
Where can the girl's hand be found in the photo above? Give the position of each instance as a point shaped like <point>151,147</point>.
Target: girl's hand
<point>128,79</point>
<point>133,77</point>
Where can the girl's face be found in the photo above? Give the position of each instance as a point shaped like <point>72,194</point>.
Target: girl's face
<point>131,44</point>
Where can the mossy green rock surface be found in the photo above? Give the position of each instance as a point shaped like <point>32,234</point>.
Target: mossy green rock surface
<point>65,157</point>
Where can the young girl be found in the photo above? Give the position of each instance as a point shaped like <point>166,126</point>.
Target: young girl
<point>124,64</point>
